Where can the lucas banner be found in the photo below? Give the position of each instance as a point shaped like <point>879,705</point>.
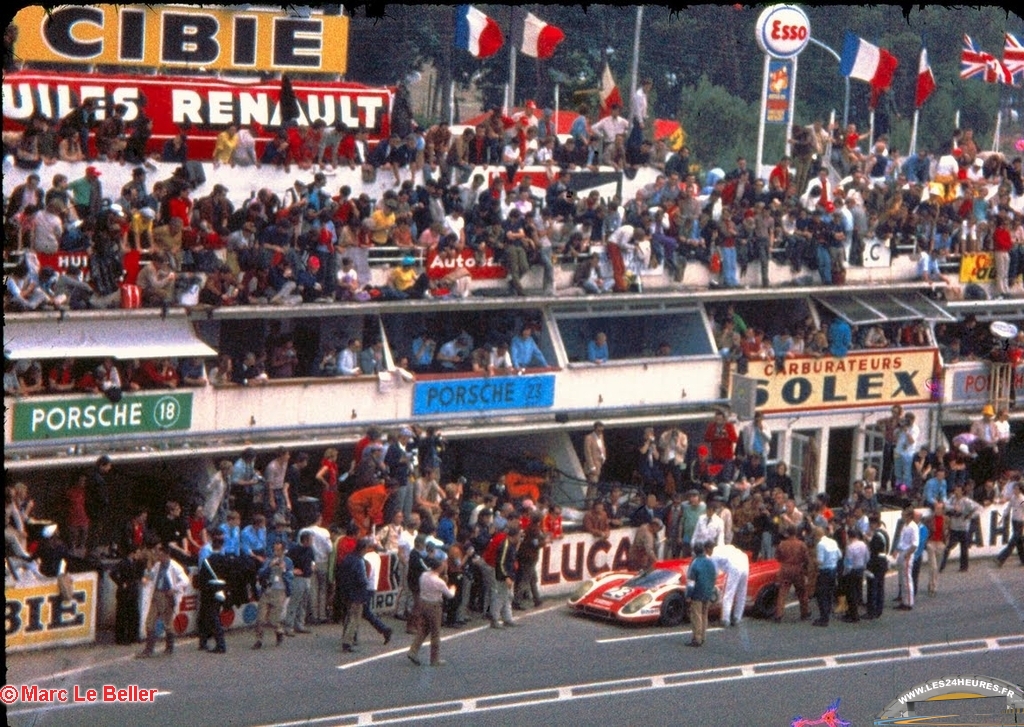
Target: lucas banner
<point>187,38</point>
<point>208,105</point>
<point>780,75</point>
<point>858,379</point>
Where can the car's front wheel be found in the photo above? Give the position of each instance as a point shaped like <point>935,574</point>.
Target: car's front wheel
<point>764,603</point>
<point>673,610</point>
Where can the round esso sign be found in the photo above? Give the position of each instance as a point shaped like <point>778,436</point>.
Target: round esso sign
<point>783,31</point>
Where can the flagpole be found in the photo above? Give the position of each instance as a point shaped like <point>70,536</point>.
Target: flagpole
<point>512,36</point>
<point>913,134</point>
<point>761,114</point>
<point>871,129</point>
<point>555,120</point>
<point>451,101</point>
<point>999,119</point>
<point>636,57</point>
<point>792,104</point>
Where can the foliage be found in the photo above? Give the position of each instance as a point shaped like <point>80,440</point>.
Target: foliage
<point>707,52</point>
<point>719,126</point>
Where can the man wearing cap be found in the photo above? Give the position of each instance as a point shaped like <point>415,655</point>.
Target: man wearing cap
<point>87,193</point>
<point>405,282</point>
<point>211,594</point>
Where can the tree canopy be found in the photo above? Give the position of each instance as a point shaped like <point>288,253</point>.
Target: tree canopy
<point>705,63</point>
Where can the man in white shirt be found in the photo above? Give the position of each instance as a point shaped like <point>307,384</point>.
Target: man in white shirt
<point>406,542</point>
<point>639,111</point>
<point>348,361</point>
<point>168,580</point>
<point>710,527</point>
<point>610,126</point>
<point>910,539</point>
<point>321,544</point>
<point>735,564</point>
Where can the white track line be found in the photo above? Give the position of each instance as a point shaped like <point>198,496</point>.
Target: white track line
<point>448,708</point>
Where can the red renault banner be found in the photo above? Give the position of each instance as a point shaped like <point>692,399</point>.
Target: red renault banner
<point>209,105</point>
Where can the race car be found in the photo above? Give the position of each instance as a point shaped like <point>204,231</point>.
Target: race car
<point>658,595</point>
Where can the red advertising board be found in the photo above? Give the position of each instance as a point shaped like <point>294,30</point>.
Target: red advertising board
<point>438,266</point>
<point>210,105</point>
<point>61,261</point>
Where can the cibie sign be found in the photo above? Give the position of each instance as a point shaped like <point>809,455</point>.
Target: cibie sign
<point>783,31</point>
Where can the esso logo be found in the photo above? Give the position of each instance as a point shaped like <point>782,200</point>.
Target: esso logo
<point>783,31</point>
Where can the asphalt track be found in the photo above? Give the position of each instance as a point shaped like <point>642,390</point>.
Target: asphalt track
<point>557,668</point>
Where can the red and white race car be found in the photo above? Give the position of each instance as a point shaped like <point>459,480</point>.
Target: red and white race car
<point>659,594</point>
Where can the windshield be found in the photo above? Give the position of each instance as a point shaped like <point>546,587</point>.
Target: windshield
<point>654,578</point>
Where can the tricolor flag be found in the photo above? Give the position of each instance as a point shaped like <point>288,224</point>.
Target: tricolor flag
<point>1013,55</point>
<point>975,63</point>
<point>540,38</point>
<point>610,95</point>
<point>476,32</point>
<point>867,62</point>
<point>925,80</point>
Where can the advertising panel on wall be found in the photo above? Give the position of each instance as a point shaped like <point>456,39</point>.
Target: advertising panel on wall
<point>859,379</point>
<point>186,37</point>
<point>36,617</point>
<point>206,105</point>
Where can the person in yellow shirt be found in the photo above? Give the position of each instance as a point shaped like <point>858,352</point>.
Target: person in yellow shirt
<point>227,142</point>
<point>382,221</point>
<point>405,282</point>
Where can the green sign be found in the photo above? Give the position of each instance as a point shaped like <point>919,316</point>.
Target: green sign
<point>96,416</point>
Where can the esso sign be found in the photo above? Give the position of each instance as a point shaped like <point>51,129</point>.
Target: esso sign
<point>783,31</point>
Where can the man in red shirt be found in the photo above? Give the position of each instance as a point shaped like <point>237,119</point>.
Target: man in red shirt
<point>1002,243</point>
<point>721,439</point>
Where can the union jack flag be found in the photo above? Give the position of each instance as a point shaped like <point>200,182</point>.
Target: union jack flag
<point>975,63</point>
<point>1013,55</point>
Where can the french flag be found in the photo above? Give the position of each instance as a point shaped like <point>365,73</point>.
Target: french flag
<point>867,62</point>
<point>925,80</point>
<point>476,32</point>
<point>540,38</point>
<point>610,95</point>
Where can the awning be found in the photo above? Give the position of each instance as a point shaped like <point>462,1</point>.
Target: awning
<point>121,338</point>
<point>866,308</point>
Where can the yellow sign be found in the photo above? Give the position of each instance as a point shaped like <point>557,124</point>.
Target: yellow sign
<point>35,616</point>
<point>977,267</point>
<point>859,379</point>
<point>183,37</point>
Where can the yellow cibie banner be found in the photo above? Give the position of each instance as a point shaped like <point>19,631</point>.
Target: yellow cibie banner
<point>859,379</point>
<point>977,267</point>
<point>184,37</point>
<point>36,617</point>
